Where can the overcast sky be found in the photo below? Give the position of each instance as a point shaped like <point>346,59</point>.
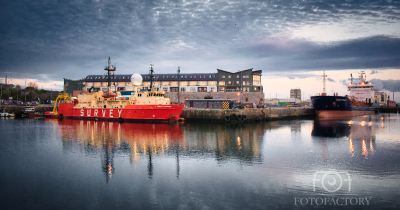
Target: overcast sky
<point>292,42</point>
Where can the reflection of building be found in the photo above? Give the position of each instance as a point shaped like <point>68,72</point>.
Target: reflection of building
<point>144,141</point>
<point>295,93</point>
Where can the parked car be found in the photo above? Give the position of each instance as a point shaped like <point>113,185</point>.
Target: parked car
<point>35,103</point>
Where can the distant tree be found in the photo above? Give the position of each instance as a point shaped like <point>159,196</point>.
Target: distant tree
<point>33,85</point>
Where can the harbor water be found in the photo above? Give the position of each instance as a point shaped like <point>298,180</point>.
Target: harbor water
<point>294,164</point>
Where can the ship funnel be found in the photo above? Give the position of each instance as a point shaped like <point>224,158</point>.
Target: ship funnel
<point>136,80</point>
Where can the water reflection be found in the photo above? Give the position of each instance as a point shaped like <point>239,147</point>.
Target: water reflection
<point>360,133</point>
<point>223,143</point>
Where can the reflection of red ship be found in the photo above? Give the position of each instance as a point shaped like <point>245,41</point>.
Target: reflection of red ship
<point>129,106</point>
<point>149,139</point>
<point>159,135</point>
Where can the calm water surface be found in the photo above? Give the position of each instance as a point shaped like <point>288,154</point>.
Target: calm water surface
<point>299,164</point>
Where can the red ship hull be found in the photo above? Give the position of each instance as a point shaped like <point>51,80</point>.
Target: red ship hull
<point>340,114</point>
<point>130,113</point>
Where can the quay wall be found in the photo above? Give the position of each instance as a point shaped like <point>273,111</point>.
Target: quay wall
<point>252,114</point>
<point>221,115</point>
<point>19,109</point>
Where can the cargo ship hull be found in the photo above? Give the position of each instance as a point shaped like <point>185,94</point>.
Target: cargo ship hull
<point>339,107</point>
<point>130,113</point>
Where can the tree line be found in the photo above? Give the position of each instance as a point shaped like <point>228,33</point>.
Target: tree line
<point>32,92</point>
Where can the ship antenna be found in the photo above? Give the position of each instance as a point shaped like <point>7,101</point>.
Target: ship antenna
<point>351,75</point>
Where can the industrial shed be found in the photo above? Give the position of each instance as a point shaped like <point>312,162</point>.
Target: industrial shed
<point>210,103</point>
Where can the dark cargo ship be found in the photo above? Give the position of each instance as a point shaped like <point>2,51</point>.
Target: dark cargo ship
<point>338,107</point>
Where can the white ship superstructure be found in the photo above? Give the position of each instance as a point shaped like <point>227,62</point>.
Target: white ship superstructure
<point>362,91</point>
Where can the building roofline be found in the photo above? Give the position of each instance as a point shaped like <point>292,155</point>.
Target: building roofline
<point>237,71</point>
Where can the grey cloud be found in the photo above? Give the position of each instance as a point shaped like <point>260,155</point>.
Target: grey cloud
<point>72,38</point>
<point>370,52</point>
<point>330,80</point>
<point>390,85</point>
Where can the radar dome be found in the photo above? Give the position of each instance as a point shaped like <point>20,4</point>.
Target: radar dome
<point>136,80</point>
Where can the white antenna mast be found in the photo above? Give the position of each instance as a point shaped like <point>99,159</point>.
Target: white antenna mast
<point>324,76</point>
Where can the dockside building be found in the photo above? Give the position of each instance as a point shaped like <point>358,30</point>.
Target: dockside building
<point>245,85</point>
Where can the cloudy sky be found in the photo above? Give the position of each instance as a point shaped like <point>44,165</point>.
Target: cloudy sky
<point>292,42</point>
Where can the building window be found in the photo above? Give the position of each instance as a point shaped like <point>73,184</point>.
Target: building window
<point>212,89</point>
<point>246,76</point>
<point>211,83</point>
<point>237,82</point>
<point>229,82</point>
<point>257,77</point>
<point>229,76</point>
<point>237,76</point>
<point>245,82</point>
<point>183,89</point>
<point>165,89</point>
<point>186,98</point>
<point>223,76</point>
<point>246,99</point>
<point>192,89</point>
<point>185,83</point>
<point>203,83</point>
<point>221,89</point>
<point>221,83</point>
<point>192,83</point>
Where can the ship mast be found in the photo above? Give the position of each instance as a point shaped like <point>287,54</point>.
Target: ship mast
<point>324,76</point>
<point>109,68</point>
<point>151,76</point>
